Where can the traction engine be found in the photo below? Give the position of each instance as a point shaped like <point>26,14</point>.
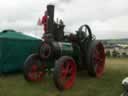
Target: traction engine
<point>64,55</point>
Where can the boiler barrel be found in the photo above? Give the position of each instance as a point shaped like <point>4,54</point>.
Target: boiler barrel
<point>65,49</point>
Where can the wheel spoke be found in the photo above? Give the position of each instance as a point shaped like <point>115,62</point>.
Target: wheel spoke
<point>64,73</point>
<point>70,70</point>
<point>68,66</point>
<point>65,70</point>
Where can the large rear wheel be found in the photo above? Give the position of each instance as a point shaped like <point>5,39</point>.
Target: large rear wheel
<point>64,73</point>
<point>96,59</point>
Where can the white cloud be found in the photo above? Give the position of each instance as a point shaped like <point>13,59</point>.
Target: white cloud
<point>108,18</point>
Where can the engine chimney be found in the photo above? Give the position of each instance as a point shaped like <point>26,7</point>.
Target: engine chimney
<point>50,11</point>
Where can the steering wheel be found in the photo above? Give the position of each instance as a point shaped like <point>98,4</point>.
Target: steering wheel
<point>82,34</point>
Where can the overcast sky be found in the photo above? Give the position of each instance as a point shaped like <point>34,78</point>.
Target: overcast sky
<point>107,18</point>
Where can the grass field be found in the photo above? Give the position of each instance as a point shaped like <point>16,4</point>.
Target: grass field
<point>108,85</point>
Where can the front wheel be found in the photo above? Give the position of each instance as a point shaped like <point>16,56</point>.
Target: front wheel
<point>34,68</point>
<point>64,73</point>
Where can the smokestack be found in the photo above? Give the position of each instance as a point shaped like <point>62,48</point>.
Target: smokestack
<point>50,11</point>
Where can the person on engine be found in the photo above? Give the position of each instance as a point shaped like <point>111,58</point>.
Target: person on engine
<point>44,21</point>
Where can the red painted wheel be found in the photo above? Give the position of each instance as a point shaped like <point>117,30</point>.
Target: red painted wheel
<point>64,73</point>
<point>99,59</point>
<point>34,68</point>
<point>96,59</point>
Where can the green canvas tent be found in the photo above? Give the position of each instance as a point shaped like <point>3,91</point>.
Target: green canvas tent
<point>14,49</point>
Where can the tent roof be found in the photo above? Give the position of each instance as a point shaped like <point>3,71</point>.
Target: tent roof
<point>12,34</point>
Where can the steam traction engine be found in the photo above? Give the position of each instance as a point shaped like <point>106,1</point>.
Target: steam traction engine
<point>65,54</point>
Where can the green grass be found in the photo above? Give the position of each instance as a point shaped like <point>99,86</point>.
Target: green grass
<point>108,85</point>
